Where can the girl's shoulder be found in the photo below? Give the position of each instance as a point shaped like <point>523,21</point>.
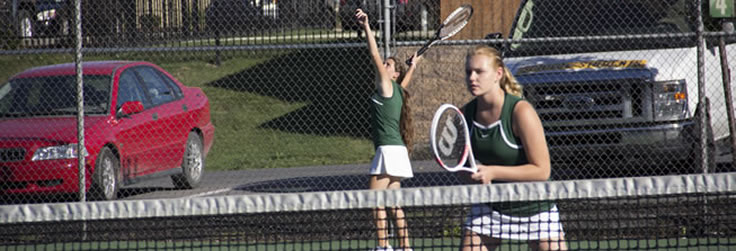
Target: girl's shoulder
<point>512,103</point>
<point>512,99</point>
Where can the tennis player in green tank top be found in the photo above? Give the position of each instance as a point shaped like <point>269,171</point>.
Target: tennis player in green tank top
<point>391,131</point>
<point>508,140</point>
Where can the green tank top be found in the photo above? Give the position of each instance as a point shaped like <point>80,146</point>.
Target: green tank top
<point>385,116</point>
<point>496,144</point>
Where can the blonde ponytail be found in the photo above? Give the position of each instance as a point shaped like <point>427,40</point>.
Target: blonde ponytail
<point>509,83</point>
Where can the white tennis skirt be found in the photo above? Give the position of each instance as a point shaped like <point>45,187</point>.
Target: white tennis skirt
<point>392,160</point>
<point>545,225</point>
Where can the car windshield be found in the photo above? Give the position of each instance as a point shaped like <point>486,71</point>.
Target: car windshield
<point>55,95</point>
<point>555,18</point>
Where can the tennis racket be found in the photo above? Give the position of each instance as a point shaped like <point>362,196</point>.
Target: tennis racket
<point>455,22</point>
<point>450,140</point>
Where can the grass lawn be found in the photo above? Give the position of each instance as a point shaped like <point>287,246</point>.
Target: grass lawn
<point>241,140</point>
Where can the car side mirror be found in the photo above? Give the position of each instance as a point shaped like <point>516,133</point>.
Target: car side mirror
<point>131,107</point>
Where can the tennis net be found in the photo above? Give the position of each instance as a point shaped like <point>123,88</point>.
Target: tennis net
<point>643,213</point>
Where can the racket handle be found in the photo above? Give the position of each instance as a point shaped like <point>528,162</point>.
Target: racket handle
<point>408,61</point>
<point>422,50</point>
<point>419,53</point>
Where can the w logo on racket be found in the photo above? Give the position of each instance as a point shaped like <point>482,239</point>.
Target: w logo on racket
<point>450,140</point>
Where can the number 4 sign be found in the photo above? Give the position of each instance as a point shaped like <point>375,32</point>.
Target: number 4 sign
<point>721,8</point>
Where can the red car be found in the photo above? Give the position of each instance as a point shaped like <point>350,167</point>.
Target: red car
<point>139,122</point>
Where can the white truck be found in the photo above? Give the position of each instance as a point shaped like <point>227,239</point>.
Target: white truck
<point>626,95</point>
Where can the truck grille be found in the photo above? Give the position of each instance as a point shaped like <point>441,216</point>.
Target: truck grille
<point>12,154</point>
<point>570,101</point>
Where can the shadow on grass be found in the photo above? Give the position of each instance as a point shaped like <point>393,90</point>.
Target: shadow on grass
<point>335,82</point>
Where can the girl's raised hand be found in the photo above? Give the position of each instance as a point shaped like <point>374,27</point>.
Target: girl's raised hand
<point>361,17</point>
<point>415,59</point>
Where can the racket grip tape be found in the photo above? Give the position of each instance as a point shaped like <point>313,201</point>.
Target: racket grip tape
<point>408,61</point>
<point>419,53</point>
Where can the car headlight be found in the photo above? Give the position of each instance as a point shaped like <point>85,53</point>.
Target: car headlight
<point>670,100</point>
<point>46,15</point>
<point>57,152</point>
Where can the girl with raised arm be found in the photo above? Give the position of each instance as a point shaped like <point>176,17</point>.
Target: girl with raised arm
<point>391,132</point>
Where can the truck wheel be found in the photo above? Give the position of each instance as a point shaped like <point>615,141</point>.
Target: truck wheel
<point>106,178</point>
<point>192,166</point>
<point>693,164</point>
<point>710,151</point>
<point>25,24</point>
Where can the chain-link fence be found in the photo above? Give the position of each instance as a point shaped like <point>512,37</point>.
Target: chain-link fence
<point>624,88</point>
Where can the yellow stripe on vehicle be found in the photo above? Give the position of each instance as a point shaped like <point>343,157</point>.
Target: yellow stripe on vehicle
<point>598,64</point>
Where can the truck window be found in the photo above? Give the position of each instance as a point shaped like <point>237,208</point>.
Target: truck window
<point>552,18</point>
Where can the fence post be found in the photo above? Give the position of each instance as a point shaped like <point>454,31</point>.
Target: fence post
<point>80,99</point>
<point>386,28</point>
<point>726,74</point>
<point>217,45</point>
<point>703,112</point>
<point>195,16</point>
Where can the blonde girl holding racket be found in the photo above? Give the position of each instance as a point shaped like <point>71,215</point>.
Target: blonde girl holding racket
<point>391,132</point>
<point>508,140</point>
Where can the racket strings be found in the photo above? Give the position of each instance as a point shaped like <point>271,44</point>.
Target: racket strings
<point>450,26</point>
<point>455,22</point>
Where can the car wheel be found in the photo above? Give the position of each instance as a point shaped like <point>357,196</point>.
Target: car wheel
<point>25,24</point>
<point>106,178</point>
<point>192,165</point>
